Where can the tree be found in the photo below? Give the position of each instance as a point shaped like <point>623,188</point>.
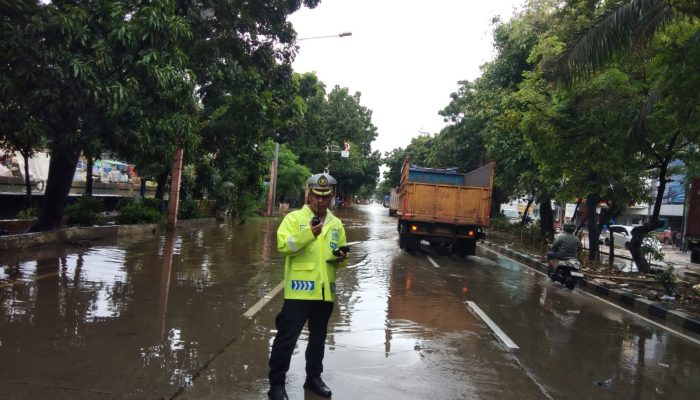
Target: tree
<point>21,129</point>
<point>394,161</point>
<point>291,176</point>
<point>98,63</point>
<point>639,24</point>
<point>329,121</point>
<point>618,29</point>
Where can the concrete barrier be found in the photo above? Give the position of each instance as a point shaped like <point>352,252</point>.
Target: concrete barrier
<point>85,234</point>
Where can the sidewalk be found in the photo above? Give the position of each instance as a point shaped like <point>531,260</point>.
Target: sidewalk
<point>680,261</point>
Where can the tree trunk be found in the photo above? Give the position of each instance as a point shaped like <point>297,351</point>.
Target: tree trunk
<point>546,218</point>
<point>142,189</point>
<point>161,182</point>
<point>64,158</point>
<point>593,229</point>
<point>639,232</point>
<point>27,180</point>
<point>88,174</point>
<point>523,221</point>
<point>575,215</point>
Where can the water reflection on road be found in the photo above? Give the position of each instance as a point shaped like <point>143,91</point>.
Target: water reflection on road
<point>161,316</point>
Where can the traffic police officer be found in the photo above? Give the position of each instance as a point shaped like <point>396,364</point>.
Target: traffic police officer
<point>311,239</point>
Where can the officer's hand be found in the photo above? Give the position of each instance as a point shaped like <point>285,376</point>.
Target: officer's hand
<point>341,253</point>
<point>316,229</point>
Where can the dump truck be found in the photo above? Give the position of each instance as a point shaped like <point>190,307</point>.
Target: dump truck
<point>393,202</point>
<point>444,207</point>
<point>692,221</point>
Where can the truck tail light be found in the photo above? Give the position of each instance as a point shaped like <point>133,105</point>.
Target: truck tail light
<point>471,233</point>
<point>414,228</point>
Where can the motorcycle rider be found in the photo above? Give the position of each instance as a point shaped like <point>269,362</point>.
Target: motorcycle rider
<point>566,246</point>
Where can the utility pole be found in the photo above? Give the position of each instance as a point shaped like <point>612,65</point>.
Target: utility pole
<point>272,193</point>
<point>174,199</point>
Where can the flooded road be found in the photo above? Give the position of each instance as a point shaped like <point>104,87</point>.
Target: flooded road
<point>161,317</point>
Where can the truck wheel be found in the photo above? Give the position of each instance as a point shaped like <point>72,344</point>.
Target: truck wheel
<point>408,242</point>
<point>469,247</point>
<point>458,248</point>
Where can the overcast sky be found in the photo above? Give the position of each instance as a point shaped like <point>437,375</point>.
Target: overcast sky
<point>404,56</point>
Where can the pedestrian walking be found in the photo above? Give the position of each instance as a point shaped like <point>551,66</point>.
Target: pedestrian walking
<point>677,239</point>
<point>312,241</point>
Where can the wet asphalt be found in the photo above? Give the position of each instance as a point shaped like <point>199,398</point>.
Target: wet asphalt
<point>161,317</point>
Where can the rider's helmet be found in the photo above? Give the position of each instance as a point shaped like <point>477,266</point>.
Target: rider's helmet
<point>569,228</point>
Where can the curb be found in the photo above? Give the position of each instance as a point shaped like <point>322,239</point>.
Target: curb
<point>74,235</point>
<point>639,304</point>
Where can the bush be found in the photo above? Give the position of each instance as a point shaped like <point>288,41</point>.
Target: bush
<point>187,209</point>
<point>131,212</point>
<point>152,202</point>
<point>27,213</point>
<point>85,211</point>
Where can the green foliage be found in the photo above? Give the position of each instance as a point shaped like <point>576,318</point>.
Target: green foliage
<point>668,280</point>
<point>329,122</point>
<point>144,212</point>
<point>27,213</point>
<point>527,235</point>
<point>291,176</point>
<point>85,211</point>
<point>651,252</point>
<point>151,202</point>
<point>188,209</point>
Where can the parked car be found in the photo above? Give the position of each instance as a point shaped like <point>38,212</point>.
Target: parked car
<point>512,215</point>
<point>622,234</point>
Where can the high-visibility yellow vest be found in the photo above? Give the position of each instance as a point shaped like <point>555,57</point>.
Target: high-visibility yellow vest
<point>308,274</point>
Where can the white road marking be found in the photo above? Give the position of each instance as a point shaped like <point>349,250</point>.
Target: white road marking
<point>675,332</point>
<point>499,333</point>
<point>433,262</point>
<point>266,299</point>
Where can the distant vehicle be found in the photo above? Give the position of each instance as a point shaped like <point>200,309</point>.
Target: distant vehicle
<point>622,234</point>
<point>443,207</point>
<point>512,215</point>
<point>385,203</point>
<point>393,202</point>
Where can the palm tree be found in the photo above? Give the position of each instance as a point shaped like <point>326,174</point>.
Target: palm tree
<point>627,25</point>
<point>630,25</point>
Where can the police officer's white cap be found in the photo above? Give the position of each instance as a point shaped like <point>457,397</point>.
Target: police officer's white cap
<point>321,184</point>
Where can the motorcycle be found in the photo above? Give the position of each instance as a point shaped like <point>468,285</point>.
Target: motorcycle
<point>567,272</point>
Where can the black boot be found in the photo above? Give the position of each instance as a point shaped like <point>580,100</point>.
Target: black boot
<point>317,386</point>
<point>277,392</point>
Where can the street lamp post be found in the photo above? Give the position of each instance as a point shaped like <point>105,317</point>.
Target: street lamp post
<point>344,34</point>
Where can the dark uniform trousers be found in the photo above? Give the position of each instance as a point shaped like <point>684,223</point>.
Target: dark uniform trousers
<point>289,322</point>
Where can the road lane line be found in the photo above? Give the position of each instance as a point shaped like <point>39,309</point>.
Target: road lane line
<point>499,333</point>
<point>675,332</point>
<point>266,299</point>
<point>433,262</point>
<point>643,318</point>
